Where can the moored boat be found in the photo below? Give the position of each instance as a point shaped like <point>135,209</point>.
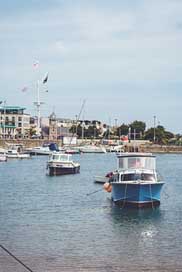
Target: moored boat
<point>46,149</point>
<point>92,149</point>
<point>15,151</point>
<point>3,157</point>
<point>72,151</point>
<point>135,183</point>
<point>103,179</point>
<point>62,164</point>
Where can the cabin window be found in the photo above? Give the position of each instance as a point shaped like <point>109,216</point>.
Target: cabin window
<point>127,177</point>
<point>63,158</point>
<point>55,157</point>
<point>136,176</point>
<point>149,177</point>
<point>121,163</point>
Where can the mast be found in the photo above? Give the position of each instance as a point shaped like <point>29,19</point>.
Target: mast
<point>38,104</point>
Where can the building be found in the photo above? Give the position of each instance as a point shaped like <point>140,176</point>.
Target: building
<point>14,123</point>
<point>53,131</point>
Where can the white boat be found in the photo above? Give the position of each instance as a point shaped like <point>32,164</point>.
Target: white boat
<point>16,151</point>
<point>62,164</point>
<point>103,179</point>
<point>46,149</point>
<point>92,149</point>
<point>3,157</point>
<point>116,148</point>
<point>13,153</point>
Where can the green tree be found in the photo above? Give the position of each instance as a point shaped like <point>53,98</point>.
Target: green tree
<point>139,128</point>
<point>122,130</point>
<point>161,135</point>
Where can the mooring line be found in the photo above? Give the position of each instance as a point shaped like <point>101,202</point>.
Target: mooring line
<point>13,256</point>
<point>94,192</point>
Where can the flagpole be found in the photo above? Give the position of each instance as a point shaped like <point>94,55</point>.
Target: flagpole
<point>38,107</point>
<point>38,104</point>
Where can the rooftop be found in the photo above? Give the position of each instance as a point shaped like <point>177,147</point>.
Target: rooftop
<point>12,108</point>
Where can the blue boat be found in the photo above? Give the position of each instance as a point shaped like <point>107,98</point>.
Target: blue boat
<point>135,183</point>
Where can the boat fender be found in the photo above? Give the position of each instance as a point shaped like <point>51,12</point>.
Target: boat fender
<point>107,187</point>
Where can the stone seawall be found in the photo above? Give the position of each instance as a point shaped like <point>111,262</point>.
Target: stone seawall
<point>27,142</point>
<point>153,148</point>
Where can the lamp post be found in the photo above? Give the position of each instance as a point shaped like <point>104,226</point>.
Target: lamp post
<point>76,116</point>
<point>154,127</point>
<point>1,120</point>
<point>116,120</point>
<point>129,134</point>
<point>4,126</point>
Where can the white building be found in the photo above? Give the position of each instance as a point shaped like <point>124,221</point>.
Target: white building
<point>14,123</point>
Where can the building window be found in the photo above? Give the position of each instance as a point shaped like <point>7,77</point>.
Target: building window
<point>19,119</point>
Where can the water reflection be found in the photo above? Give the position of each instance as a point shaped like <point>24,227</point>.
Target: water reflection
<point>130,214</point>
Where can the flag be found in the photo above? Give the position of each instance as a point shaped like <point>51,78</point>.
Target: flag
<point>24,89</point>
<point>36,64</point>
<point>45,79</point>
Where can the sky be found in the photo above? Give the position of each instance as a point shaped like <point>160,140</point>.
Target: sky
<point>123,57</point>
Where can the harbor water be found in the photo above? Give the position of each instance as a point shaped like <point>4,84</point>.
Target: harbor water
<point>59,224</point>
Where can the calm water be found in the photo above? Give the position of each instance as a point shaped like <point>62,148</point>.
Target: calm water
<point>52,225</point>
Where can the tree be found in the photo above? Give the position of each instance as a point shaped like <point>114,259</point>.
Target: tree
<point>161,135</point>
<point>122,130</point>
<point>138,127</point>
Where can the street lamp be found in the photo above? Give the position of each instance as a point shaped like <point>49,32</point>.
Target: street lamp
<point>154,127</point>
<point>129,134</point>
<point>76,116</point>
<point>116,120</point>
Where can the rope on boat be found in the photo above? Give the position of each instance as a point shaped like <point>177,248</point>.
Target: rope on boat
<point>150,186</point>
<point>94,192</point>
<point>14,257</point>
<point>124,196</point>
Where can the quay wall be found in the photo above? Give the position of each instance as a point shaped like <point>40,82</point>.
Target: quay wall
<point>153,148</point>
<point>130,147</point>
<point>27,142</point>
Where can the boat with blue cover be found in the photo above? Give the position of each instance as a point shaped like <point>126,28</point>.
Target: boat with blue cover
<point>45,149</point>
<point>135,183</point>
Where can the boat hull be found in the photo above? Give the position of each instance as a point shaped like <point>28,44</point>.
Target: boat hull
<point>57,171</point>
<point>18,156</point>
<point>137,194</point>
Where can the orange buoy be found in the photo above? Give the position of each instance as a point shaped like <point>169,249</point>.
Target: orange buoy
<point>107,187</point>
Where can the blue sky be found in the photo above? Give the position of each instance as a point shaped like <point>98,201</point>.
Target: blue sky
<point>123,57</point>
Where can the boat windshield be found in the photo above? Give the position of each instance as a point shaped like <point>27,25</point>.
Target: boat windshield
<point>57,157</point>
<point>136,162</point>
<point>138,176</point>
